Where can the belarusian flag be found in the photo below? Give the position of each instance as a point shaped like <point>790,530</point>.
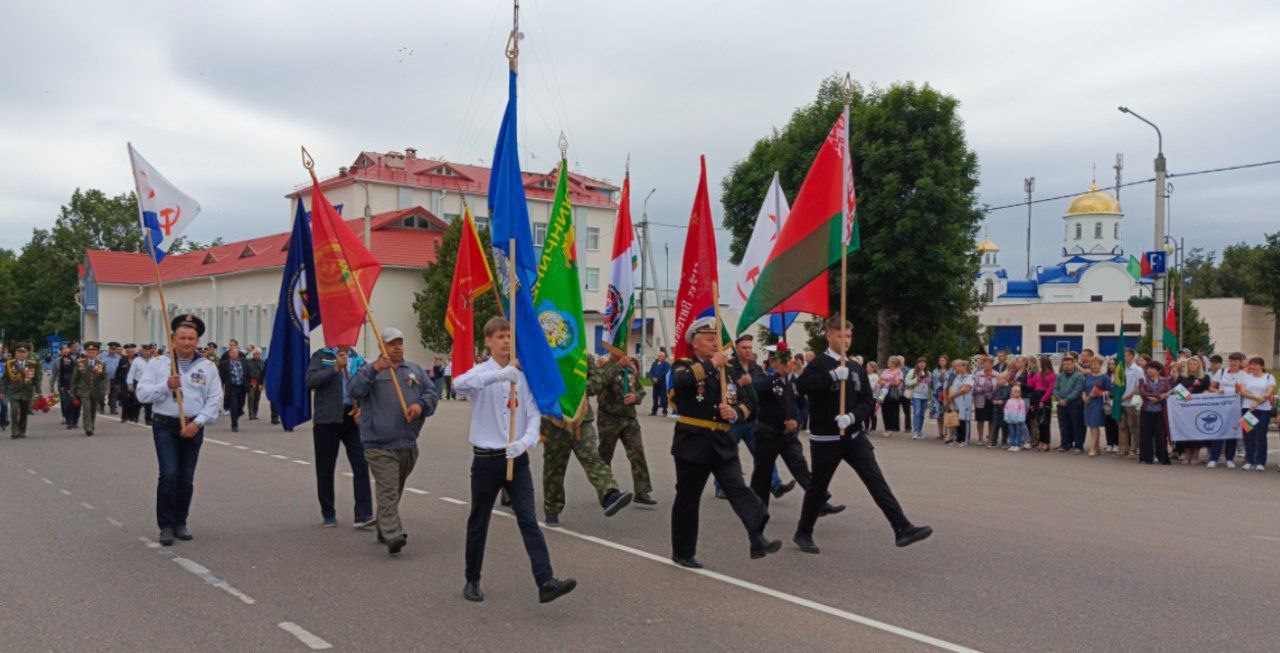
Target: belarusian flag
<point>621,300</point>
<point>1170,338</point>
<point>344,270</point>
<point>471,278</point>
<point>820,228</point>
<point>1144,268</point>
<point>1135,268</point>
<point>557,298</point>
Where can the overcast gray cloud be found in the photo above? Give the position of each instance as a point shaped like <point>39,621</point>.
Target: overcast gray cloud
<point>219,96</point>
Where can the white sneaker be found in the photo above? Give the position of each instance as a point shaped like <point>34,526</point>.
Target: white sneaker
<point>1231,464</point>
<point>1027,447</point>
<point>1248,467</point>
<point>1211,464</point>
<point>964,444</point>
<point>1015,448</point>
<point>1259,468</point>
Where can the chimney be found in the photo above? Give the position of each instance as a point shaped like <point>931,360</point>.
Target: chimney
<point>342,172</point>
<point>411,152</point>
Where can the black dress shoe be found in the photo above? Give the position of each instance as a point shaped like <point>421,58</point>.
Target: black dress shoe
<point>830,509</point>
<point>615,501</point>
<point>805,542</point>
<point>166,537</point>
<point>182,533</point>
<point>396,543</point>
<point>644,499</point>
<point>783,489</point>
<point>688,563</point>
<point>552,520</point>
<point>471,592</point>
<point>381,539</point>
<point>912,534</point>
<point>720,494</point>
<point>762,546</point>
<point>555,588</point>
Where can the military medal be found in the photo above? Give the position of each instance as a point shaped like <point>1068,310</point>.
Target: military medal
<point>702,387</point>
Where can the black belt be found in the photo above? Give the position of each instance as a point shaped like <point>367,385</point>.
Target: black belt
<point>166,420</point>
<point>488,453</point>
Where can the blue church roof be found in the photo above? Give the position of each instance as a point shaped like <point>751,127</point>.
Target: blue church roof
<point>1027,289</point>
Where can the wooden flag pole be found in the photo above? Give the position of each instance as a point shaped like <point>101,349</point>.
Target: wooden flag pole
<point>715,297</point>
<point>164,309</point>
<point>844,244</point>
<point>310,165</point>
<point>512,402</point>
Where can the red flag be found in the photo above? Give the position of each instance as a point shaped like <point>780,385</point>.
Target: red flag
<point>471,278</point>
<point>698,270</point>
<point>1146,266</point>
<point>343,265</point>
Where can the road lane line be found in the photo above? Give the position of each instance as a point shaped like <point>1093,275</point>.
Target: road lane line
<point>46,481</point>
<point>114,523</point>
<point>65,492</point>
<point>149,542</point>
<point>241,447</point>
<point>348,474</point>
<point>453,500</point>
<point>301,462</point>
<point>1269,539</point>
<point>86,506</point>
<point>258,451</point>
<point>207,576</point>
<point>313,642</point>
<point>31,471</point>
<point>276,455</point>
<point>416,490</point>
<point>208,439</point>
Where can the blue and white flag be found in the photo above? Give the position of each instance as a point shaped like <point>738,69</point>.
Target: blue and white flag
<point>165,210</point>
<point>297,313</point>
<point>509,220</point>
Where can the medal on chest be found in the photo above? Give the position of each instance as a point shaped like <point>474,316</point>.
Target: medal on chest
<point>702,390</point>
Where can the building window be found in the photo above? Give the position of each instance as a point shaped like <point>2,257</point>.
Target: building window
<point>1117,231</point>
<point>1105,328</point>
<point>482,221</point>
<point>1079,230</point>
<point>593,279</point>
<point>1048,328</point>
<point>991,291</point>
<point>1073,328</point>
<point>593,239</point>
<point>539,233</point>
<point>1095,298</point>
<point>451,217</point>
<point>1131,328</point>
<point>1097,230</point>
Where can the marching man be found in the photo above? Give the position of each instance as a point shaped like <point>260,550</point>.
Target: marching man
<point>89,385</point>
<point>21,384</point>
<point>487,387</point>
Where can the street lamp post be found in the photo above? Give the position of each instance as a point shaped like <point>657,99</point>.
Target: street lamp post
<point>1029,185</point>
<point>1157,312</point>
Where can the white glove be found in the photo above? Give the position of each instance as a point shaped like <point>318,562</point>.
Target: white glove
<point>508,374</point>
<point>843,421</point>
<point>840,373</point>
<point>516,449</point>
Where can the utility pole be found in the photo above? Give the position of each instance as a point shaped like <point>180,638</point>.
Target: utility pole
<point>1028,186</point>
<point>645,256</point>
<point>1158,289</point>
<point>1118,167</point>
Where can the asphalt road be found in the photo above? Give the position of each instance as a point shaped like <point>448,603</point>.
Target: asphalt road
<point>1044,552</point>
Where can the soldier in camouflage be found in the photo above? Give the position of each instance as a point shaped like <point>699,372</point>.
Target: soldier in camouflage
<point>563,438</point>
<point>619,392</point>
<point>21,382</point>
<point>89,385</point>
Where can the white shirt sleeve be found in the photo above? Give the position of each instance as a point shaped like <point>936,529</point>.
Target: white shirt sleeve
<point>212,396</point>
<point>532,415</point>
<point>153,382</point>
<point>473,381</point>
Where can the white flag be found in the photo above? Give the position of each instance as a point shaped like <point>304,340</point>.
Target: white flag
<point>773,214</point>
<point>165,211</point>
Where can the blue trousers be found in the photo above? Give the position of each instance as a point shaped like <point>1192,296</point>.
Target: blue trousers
<point>177,457</point>
<point>746,432</point>
<point>1071,425</point>
<point>1255,441</point>
<point>919,407</point>
<point>488,475</point>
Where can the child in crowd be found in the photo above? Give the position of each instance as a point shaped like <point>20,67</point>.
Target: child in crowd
<point>999,428</point>
<point>1015,417</point>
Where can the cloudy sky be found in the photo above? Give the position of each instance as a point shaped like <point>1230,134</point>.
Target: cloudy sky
<point>219,96</point>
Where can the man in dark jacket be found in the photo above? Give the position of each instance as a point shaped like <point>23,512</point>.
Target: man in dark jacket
<point>234,381</point>
<point>256,369</point>
<point>837,432</point>
<point>333,422</point>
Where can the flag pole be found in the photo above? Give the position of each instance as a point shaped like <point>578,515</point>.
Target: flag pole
<point>513,56</point>
<point>310,165</point>
<point>715,299</point>
<point>844,244</point>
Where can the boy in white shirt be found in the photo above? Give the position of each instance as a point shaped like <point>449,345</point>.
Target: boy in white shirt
<point>488,387</point>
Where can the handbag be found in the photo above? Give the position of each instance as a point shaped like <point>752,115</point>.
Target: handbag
<point>951,419</point>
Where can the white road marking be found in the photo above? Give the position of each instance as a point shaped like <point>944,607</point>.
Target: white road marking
<point>453,500</point>
<point>348,474</point>
<point>241,447</point>
<point>65,492</point>
<point>207,439</point>
<point>416,490</point>
<point>31,471</point>
<point>1269,539</point>
<point>86,506</point>
<point>313,642</point>
<point>301,462</point>
<point>258,451</point>
<point>276,455</point>
<point>114,523</point>
<point>46,481</point>
<point>207,576</point>
<point>149,542</point>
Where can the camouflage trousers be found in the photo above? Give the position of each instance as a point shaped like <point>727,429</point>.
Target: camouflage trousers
<point>628,431</point>
<point>555,460</point>
<point>89,409</point>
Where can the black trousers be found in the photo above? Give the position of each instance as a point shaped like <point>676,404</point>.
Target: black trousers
<point>691,480</point>
<point>70,411</point>
<point>889,408</point>
<point>659,398</point>
<point>860,455</point>
<point>488,476</point>
<point>1151,439</point>
<point>1044,418</point>
<point>235,403</point>
<point>326,438</point>
<point>771,443</point>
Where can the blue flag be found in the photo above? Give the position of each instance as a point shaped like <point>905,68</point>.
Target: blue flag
<point>296,315</point>
<point>509,219</point>
<point>780,322</point>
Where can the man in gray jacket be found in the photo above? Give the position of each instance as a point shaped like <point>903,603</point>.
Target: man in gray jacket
<point>390,433</point>
<point>333,423</point>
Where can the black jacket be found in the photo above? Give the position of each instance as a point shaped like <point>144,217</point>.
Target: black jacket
<point>323,378</point>
<point>823,392</point>
<point>224,372</point>
<point>778,399</point>
<point>695,393</point>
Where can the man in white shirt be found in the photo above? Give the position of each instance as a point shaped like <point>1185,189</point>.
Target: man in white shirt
<point>1132,404</point>
<point>488,387</point>
<point>178,438</point>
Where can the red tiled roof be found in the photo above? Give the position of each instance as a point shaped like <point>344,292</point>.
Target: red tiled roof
<point>392,245</point>
<point>464,178</point>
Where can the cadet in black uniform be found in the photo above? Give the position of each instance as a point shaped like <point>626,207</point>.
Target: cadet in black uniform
<point>64,367</point>
<point>781,411</point>
<point>702,446</point>
<point>834,437</point>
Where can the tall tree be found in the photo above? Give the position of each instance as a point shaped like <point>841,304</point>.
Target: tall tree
<point>432,302</point>
<point>910,285</point>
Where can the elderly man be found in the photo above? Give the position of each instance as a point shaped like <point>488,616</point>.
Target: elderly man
<point>256,370</point>
<point>333,423</point>
<point>89,385</point>
<point>235,381</point>
<point>389,430</point>
<point>21,384</point>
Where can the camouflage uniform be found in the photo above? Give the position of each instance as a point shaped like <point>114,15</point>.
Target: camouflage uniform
<point>21,382</point>
<point>89,385</point>
<point>560,442</point>
<point>617,421</point>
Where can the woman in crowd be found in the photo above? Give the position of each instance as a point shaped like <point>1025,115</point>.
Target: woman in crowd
<point>1193,378</point>
<point>960,395</point>
<point>984,388</point>
<point>1042,400</point>
<point>1257,392</point>
<point>1097,387</point>
<point>890,386</point>
<point>1112,428</point>
<point>873,375</point>
<point>1229,380</point>
<point>917,385</point>
<point>939,381</point>
<point>905,399</point>
<point>1154,389</point>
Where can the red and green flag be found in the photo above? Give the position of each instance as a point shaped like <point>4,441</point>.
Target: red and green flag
<point>1170,337</point>
<point>819,230</point>
<point>1144,268</point>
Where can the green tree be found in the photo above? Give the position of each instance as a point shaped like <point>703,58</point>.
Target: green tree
<point>433,301</point>
<point>1195,332</point>
<point>910,286</point>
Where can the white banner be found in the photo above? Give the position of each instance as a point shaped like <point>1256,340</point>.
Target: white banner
<point>1204,417</point>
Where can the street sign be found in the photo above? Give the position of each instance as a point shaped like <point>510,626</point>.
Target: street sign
<point>1156,260</point>
<point>55,343</point>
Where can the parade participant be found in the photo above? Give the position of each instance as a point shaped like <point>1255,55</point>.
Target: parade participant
<point>488,387</point>
<point>742,370</point>
<point>333,423</point>
<point>120,383</point>
<point>111,360</point>
<point>21,384</point>
<point>66,367</point>
<point>211,353</point>
<point>388,431</point>
<point>702,447</point>
<point>782,410</point>
<point>620,392</point>
<point>658,375</point>
<point>135,375</point>
<point>234,381</point>
<point>255,369</point>
<point>89,384</point>
<point>178,446</point>
<point>567,436</point>
<point>835,437</point>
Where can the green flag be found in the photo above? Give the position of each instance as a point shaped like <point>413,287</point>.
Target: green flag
<point>557,299</point>
<point>1118,388</point>
<point>1135,268</point>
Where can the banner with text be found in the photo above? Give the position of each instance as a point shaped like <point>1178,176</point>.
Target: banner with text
<point>1204,417</point>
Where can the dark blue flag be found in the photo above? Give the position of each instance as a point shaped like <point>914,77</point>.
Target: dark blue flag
<point>509,220</point>
<point>780,322</point>
<point>297,313</point>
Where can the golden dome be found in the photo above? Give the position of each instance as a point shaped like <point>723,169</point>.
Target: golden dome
<point>987,246</point>
<point>1094,202</point>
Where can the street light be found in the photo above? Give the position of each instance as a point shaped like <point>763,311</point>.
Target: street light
<point>1159,288</point>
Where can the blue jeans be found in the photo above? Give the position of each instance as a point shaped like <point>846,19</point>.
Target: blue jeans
<point>1255,441</point>
<point>1216,446</point>
<point>746,432</point>
<point>1071,426</point>
<point>1017,434</point>
<point>919,406</point>
<point>177,457</point>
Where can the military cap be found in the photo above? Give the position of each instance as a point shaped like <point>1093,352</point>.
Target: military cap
<point>92,345</point>
<point>187,320</point>
<point>130,345</point>
<point>700,325</point>
<point>744,336</point>
<point>113,344</point>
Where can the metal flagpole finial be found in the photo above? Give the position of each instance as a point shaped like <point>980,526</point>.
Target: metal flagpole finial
<point>848,87</point>
<point>513,41</point>
<point>628,164</point>
<point>307,162</point>
<point>564,146</point>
